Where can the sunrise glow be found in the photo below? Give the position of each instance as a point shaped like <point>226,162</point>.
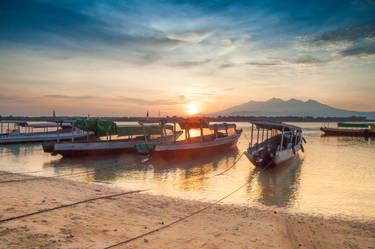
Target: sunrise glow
<point>192,108</point>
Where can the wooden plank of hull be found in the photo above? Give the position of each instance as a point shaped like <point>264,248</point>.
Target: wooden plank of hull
<point>348,133</point>
<point>94,152</point>
<point>174,150</point>
<point>93,148</point>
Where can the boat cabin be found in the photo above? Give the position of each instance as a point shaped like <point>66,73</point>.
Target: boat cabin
<point>273,143</point>
<point>277,136</point>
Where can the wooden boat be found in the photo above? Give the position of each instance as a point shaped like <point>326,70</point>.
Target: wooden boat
<point>221,136</point>
<point>351,130</point>
<point>278,143</point>
<point>25,132</point>
<point>118,138</point>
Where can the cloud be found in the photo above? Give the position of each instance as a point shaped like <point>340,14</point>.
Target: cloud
<point>340,38</point>
<point>358,51</point>
<point>189,63</point>
<point>191,37</point>
<point>226,65</point>
<point>262,64</point>
<point>307,59</point>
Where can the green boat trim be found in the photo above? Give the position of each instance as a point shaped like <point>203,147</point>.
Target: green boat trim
<point>353,125</point>
<point>103,128</point>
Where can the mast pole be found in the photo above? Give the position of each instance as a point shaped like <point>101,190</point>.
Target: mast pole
<point>72,131</point>
<point>282,139</point>
<point>201,130</point>
<point>251,139</point>
<point>257,135</point>
<point>174,132</point>
<point>58,132</point>
<point>262,134</point>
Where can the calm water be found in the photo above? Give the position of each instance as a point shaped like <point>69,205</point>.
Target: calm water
<point>334,177</point>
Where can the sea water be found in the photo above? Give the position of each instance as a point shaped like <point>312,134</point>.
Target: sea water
<point>335,176</point>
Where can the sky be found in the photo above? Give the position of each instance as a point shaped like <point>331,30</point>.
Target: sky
<point>122,58</point>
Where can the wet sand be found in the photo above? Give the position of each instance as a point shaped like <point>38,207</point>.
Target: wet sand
<point>105,222</point>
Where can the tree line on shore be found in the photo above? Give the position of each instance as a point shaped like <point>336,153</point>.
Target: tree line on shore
<point>211,119</point>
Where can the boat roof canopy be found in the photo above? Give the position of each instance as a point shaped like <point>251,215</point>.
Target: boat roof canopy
<point>19,122</point>
<point>129,130</point>
<point>193,123</point>
<point>223,126</point>
<point>275,125</point>
<point>103,127</point>
<point>35,125</point>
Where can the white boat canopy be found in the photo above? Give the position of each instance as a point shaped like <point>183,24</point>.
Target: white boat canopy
<point>275,125</point>
<point>222,126</point>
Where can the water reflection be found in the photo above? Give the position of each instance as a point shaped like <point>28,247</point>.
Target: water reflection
<point>191,173</point>
<point>18,149</point>
<point>183,172</point>
<point>276,186</point>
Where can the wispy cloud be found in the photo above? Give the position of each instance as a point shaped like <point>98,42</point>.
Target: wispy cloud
<point>61,96</point>
<point>262,64</point>
<point>307,60</point>
<point>192,37</point>
<point>138,101</point>
<point>188,64</point>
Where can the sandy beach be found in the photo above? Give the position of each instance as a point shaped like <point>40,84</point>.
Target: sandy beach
<point>105,222</point>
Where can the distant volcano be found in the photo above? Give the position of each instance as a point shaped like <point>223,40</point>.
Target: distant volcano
<point>292,107</point>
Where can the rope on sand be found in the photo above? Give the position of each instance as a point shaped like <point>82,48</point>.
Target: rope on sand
<point>28,172</point>
<point>180,219</point>
<point>69,205</point>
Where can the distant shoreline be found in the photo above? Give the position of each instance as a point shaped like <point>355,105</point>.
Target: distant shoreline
<point>211,119</point>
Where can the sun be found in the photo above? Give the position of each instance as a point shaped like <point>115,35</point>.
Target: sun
<point>192,108</point>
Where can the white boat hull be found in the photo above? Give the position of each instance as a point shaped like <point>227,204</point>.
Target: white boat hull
<point>199,147</point>
<point>286,155</point>
<point>280,157</point>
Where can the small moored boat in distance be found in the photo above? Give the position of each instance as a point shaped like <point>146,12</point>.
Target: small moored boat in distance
<point>218,136</point>
<point>277,144</point>
<point>111,138</point>
<point>12,132</point>
<point>350,130</point>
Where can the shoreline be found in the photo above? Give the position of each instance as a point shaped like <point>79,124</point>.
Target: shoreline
<point>108,221</point>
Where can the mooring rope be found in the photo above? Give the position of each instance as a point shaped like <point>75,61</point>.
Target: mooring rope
<point>69,205</point>
<point>27,172</point>
<point>180,219</point>
<point>234,164</point>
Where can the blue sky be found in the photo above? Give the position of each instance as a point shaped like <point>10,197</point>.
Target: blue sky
<point>126,57</point>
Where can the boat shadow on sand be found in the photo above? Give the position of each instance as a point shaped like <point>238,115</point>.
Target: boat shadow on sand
<point>276,186</point>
